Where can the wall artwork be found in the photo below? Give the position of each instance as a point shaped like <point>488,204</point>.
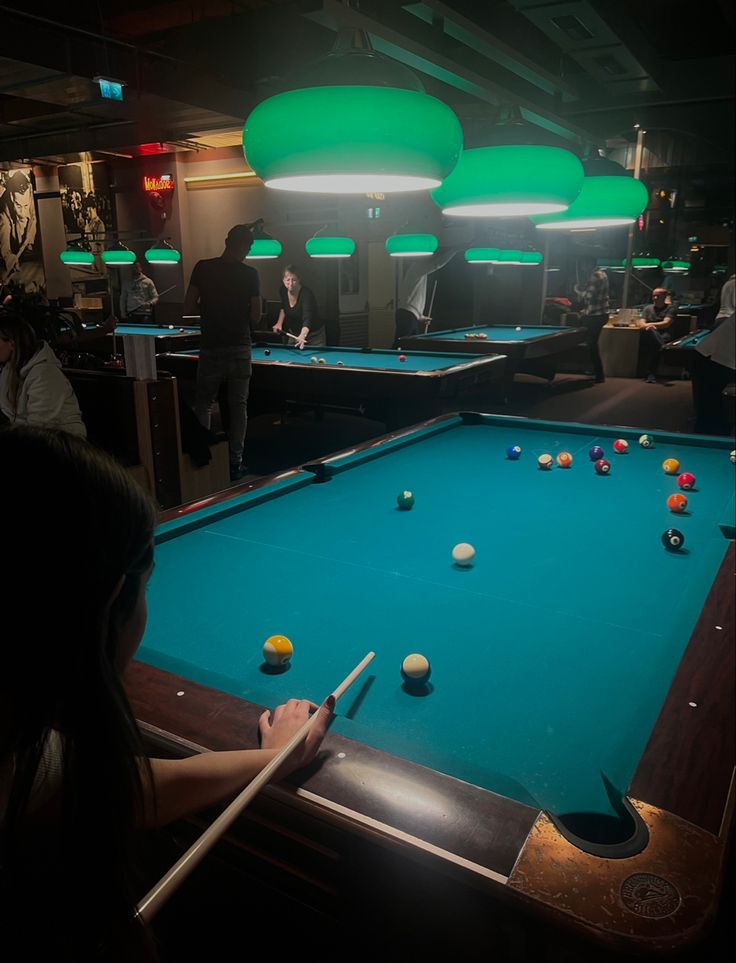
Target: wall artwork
<point>20,240</point>
<point>88,209</point>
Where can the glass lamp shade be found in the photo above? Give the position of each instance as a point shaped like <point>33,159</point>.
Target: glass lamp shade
<point>605,201</point>
<point>263,248</point>
<point>494,255</point>
<point>611,263</point>
<point>76,255</point>
<point>163,255</point>
<point>482,255</point>
<point>330,246</point>
<point>411,245</point>
<point>118,257</point>
<point>351,139</point>
<point>531,258</point>
<point>511,181</point>
<point>675,266</point>
<point>642,262</point>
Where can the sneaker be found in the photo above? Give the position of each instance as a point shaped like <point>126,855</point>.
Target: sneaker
<point>651,380</point>
<point>237,472</point>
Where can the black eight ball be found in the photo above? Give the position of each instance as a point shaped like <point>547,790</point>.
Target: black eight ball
<point>673,539</point>
<point>267,352</point>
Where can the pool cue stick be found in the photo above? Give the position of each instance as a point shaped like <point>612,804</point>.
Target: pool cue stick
<point>170,882</point>
<point>429,312</point>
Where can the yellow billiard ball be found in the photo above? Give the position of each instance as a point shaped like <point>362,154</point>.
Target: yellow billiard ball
<point>277,650</point>
<point>670,466</point>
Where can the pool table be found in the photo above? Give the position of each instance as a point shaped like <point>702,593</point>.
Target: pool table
<point>530,348</point>
<point>573,749</point>
<point>366,380</point>
<point>167,337</point>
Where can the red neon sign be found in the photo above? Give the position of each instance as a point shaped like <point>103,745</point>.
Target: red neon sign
<point>164,183</point>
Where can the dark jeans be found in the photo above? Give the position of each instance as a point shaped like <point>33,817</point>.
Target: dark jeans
<point>593,324</point>
<point>229,366</point>
<point>407,325</point>
<point>651,344</point>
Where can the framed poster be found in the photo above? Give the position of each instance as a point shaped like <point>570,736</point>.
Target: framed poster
<point>20,241</point>
<point>87,207</point>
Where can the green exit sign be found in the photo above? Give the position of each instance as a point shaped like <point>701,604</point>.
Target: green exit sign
<point>110,89</point>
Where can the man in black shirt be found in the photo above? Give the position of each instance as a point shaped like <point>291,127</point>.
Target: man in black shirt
<point>655,319</point>
<point>226,294</point>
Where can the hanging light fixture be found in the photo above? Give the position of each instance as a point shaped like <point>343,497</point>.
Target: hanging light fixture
<point>510,181</point>
<point>330,246</point>
<point>608,198</point>
<point>264,247</point>
<point>359,123</point>
<point>118,255</point>
<point>645,262</point>
<point>163,253</point>
<point>411,245</point>
<point>77,252</point>
<point>507,256</point>
<point>482,255</point>
<point>675,266</point>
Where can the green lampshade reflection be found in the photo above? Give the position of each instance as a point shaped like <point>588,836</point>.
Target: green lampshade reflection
<point>494,255</point>
<point>675,266</point>
<point>263,248</point>
<point>720,268</point>
<point>350,139</point>
<point>602,202</point>
<point>118,257</point>
<point>644,262</point>
<point>330,246</point>
<point>482,255</point>
<point>531,258</point>
<point>411,245</point>
<point>510,181</point>
<point>162,255</point>
<point>611,263</point>
<point>76,256</point>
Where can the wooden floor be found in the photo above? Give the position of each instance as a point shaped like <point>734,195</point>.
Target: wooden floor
<point>404,915</point>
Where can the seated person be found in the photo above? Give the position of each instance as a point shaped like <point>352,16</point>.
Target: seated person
<point>655,319</point>
<point>76,784</point>
<point>299,315</point>
<point>33,389</point>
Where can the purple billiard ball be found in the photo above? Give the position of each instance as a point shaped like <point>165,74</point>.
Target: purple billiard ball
<point>596,453</point>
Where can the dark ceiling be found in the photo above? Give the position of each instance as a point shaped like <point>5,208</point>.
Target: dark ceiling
<point>583,71</point>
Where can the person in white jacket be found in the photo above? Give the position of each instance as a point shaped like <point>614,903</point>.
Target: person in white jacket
<point>33,389</point>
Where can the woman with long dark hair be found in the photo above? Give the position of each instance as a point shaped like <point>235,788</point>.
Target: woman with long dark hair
<point>75,783</point>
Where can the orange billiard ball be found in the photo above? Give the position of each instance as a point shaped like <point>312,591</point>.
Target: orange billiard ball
<point>670,466</point>
<point>564,459</point>
<point>677,503</point>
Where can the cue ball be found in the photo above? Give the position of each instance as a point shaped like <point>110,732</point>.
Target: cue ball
<point>463,554</point>
<point>415,669</point>
<point>277,650</point>
<point>673,540</point>
<point>405,500</point>
<point>545,462</point>
<point>518,328</point>
<point>402,357</point>
<point>314,359</point>
<point>686,481</point>
<point>267,352</point>
<point>733,457</point>
<point>646,441</point>
<point>620,446</point>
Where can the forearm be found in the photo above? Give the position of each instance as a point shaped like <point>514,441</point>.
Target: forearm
<point>304,333</point>
<point>185,786</point>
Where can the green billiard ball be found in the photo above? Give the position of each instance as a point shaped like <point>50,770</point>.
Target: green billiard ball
<point>405,501</point>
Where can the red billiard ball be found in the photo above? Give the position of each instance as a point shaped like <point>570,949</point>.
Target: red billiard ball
<point>686,481</point>
<point>620,446</point>
<point>402,357</point>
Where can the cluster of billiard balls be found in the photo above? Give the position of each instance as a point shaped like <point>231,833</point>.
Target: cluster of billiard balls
<point>415,669</point>
<point>476,335</point>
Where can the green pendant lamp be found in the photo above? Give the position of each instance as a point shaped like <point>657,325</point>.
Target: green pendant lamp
<point>263,249</point>
<point>118,256</point>
<point>644,262</point>
<point>507,256</point>
<point>330,246</point>
<point>608,198</point>
<point>163,253</point>
<point>411,245</point>
<point>510,181</point>
<point>357,123</point>
<point>483,255</point>
<point>675,266</point>
<point>77,252</point>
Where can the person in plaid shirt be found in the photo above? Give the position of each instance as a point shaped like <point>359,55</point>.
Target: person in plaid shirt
<point>594,314</point>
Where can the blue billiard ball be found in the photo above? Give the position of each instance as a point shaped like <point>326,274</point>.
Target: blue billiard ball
<point>513,452</point>
<point>596,453</point>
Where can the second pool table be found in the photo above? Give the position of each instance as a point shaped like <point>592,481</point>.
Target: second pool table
<point>574,747</point>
